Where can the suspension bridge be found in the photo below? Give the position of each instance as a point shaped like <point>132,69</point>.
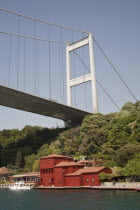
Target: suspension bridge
<point>45,67</point>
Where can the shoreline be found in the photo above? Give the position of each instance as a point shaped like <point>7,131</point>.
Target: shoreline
<point>87,187</point>
<point>80,187</point>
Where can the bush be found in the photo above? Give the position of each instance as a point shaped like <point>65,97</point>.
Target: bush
<point>105,177</point>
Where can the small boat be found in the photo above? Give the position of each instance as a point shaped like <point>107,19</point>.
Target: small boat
<point>19,186</point>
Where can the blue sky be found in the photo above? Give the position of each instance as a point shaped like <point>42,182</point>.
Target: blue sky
<point>114,24</point>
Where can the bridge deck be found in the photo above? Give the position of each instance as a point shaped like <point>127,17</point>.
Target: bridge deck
<point>19,100</point>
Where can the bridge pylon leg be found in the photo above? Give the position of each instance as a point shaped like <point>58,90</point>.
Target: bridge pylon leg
<point>85,78</point>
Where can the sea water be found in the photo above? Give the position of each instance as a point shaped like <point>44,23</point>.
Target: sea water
<point>69,199</point>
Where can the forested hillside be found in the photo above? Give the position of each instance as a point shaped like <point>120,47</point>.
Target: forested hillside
<point>113,138</point>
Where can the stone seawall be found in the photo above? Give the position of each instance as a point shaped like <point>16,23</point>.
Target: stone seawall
<point>121,184</point>
<point>4,186</point>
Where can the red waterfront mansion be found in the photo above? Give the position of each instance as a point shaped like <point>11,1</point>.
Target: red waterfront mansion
<point>59,170</point>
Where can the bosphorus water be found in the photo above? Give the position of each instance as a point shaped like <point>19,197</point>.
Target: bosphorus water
<point>69,199</point>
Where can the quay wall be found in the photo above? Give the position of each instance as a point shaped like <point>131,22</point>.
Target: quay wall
<point>120,184</point>
<point>4,186</point>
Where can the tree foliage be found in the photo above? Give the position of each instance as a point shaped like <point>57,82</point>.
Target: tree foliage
<point>113,138</point>
<point>133,166</point>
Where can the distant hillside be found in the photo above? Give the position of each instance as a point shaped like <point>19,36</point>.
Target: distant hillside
<point>113,138</point>
<point>14,143</point>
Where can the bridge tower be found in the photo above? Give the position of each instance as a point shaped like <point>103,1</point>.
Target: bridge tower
<point>82,79</point>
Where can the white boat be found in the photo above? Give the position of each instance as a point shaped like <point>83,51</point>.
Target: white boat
<point>19,186</point>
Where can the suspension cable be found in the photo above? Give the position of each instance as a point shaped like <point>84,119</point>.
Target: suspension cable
<point>49,66</point>
<point>84,74</point>
<point>18,51</point>
<point>24,62</point>
<point>37,66</point>
<point>98,82</point>
<point>62,68</point>
<point>34,58</point>
<point>108,95</point>
<point>30,37</point>
<point>74,68</point>
<point>9,63</point>
<point>53,24</point>
<point>105,55</point>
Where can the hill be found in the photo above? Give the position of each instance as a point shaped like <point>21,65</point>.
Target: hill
<point>114,139</point>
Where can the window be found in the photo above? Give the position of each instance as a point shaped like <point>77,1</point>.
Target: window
<point>37,179</point>
<point>42,170</point>
<point>33,179</point>
<point>92,180</point>
<point>28,179</point>
<point>87,180</point>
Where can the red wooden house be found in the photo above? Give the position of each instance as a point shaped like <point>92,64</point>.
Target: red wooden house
<point>63,168</point>
<point>59,170</point>
<point>86,177</point>
<point>47,164</point>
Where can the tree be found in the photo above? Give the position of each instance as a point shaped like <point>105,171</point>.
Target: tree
<point>133,167</point>
<point>129,106</point>
<point>29,161</point>
<point>105,177</point>
<point>19,160</point>
<point>126,153</point>
<point>36,165</point>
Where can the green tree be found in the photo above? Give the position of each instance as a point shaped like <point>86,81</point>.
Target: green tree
<point>29,161</point>
<point>126,153</point>
<point>19,160</point>
<point>105,177</point>
<point>133,166</point>
<point>36,165</point>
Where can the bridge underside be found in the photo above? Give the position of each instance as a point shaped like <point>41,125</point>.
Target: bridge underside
<point>26,102</point>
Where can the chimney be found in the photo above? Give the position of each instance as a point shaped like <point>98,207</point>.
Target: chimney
<point>94,162</point>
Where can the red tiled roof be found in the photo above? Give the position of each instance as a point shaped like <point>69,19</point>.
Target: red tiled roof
<point>86,170</point>
<point>55,156</point>
<point>36,174</point>
<point>85,161</point>
<point>64,163</point>
<point>4,170</point>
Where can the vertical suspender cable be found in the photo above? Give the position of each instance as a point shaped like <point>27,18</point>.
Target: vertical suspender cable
<point>49,65</point>
<point>37,74</point>
<point>18,51</point>
<point>35,58</point>
<point>62,67</point>
<point>84,75</point>
<point>74,69</point>
<point>9,63</point>
<point>24,61</point>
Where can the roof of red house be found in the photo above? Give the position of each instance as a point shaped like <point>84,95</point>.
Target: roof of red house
<point>86,170</point>
<point>85,161</point>
<point>31,174</point>
<point>64,163</point>
<point>4,170</point>
<point>55,156</point>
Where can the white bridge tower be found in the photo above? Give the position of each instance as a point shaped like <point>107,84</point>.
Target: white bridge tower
<point>82,79</point>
